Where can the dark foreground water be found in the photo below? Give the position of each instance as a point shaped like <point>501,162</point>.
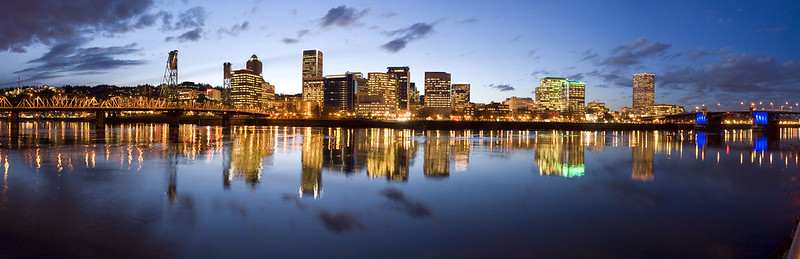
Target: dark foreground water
<point>325,192</point>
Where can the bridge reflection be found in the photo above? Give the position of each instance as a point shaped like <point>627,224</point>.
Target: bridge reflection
<point>387,154</point>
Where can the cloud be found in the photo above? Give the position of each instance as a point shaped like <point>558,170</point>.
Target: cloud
<point>341,222</point>
<point>67,57</point>
<point>235,29</point>
<point>467,21</point>
<point>634,52</point>
<point>193,35</point>
<point>703,52</point>
<point>342,16</point>
<point>412,208</point>
<point>387,15</point>
<point>737,73</point>
<point>57,20</point>
<point>516,38</point>
<point>405,35</point>
<point>193,18</point>
<point>576,77</point>
<point>532,54</point>
<point>589,55</point>
<point>300,34</point>
<point>501,88</point>
<point>541,73</point>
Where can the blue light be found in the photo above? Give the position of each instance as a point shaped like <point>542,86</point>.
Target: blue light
<point>701,119</point>
<point>760,144</point>
<point>700,138</point>
<point>760,118</point>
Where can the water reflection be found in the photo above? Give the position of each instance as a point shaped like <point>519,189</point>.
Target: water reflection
<point>378,153</point>
<point>375,181</point>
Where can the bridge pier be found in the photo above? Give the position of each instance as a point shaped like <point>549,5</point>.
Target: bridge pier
<point>99,119</point>
<point>13,119</point>
<point>226,119</point>
<point>174,126</point>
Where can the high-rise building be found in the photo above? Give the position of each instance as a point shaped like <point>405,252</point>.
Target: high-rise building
<point>573,99</point>
<point>548,94</point>
<point>312,63</point>
<point>437,91</point>
<point>460,97</point>
<point>314,90</point>
<point>643,91</point>
<point>313,82</point>
<point>385,85</point>
<point>254,64</point>
<point>339,92</point>
<point>246,88</point>
<point>403,86</point>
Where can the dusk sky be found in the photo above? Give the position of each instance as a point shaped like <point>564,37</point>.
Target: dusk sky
<point>702,52</point>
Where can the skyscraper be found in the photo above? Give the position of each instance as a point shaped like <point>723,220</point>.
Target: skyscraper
<point>548,94</point>
<point>385,85</point>
<point>246,88</point>
<point>312,63</point>
<point>313,82</point>
<point>460,97</point>
<point>643,91</point>
<point>403,85</point>
<point>573,99</point>
<point>254,64</point>
<point>339,92</point>
<point>437,91</point>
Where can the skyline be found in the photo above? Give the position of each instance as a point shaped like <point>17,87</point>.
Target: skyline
<point>728,53</point>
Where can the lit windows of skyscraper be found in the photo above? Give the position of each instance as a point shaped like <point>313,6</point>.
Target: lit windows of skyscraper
<point>643,91</point>
<point>246,88</point>
<point>548,94</point>
<point>460,97</point>
<point>573,99</point>
<point>313,82</point>
<point>437,91</point>
<point>385,85</point>
<point>312,63</point>
<point>403,86</point>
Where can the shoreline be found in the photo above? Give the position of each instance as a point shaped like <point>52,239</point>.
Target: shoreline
<point>412,124</point>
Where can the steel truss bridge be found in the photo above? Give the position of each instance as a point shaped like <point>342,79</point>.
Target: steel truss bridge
<point>173,108</point>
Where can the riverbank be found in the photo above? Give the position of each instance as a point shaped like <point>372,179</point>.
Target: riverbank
<point>413,124</point>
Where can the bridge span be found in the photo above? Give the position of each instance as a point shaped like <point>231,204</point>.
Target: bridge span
<point>116,104</point>
<point>760,120</point>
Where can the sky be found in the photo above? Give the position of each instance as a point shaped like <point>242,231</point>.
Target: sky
<point>714,53</point>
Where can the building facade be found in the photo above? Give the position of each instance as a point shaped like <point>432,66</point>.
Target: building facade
<point>339,92</point>
<point>643,91</point>
<point>385,85</point>
<point>404,94</point>
<point>312,63</point>
<point>460,97</point>
<point>313,82</point>
<point>246,88</point>
<point>573,99</point>
<point>548,94</point>
<point>437,91</point>
<point>254,64</point>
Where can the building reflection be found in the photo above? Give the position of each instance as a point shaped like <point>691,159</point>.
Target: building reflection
<point>436,154</point>
<point>642,152</point>
<point>385,154</point>
<point>559,154</point>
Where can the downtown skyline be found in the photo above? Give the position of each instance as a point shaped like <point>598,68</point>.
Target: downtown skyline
<point>709,53</point>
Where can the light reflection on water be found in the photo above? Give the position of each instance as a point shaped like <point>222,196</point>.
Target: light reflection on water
<point>258,191</point>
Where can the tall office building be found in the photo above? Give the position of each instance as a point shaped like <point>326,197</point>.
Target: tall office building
<point>403,86</point>
<point>643,91</point>
<point>312,63</point>
<point>246,88</point>
<point>339,91</point>
<point>460,97</point>
<point>437,91</point>
<point>573,99</point>
<point>385,85</point>
<point>548,94</point>
<point>254,64</point>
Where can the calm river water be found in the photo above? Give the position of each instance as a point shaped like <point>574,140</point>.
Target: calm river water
<point>129,191</point>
